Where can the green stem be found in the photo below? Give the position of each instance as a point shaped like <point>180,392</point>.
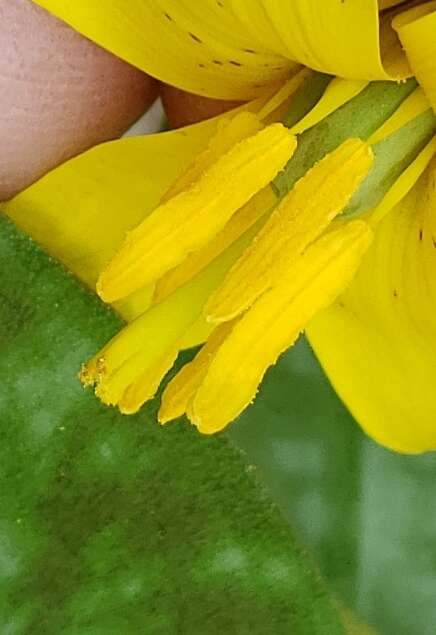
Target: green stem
<point>360,117</point>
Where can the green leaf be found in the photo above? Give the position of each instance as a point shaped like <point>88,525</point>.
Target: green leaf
<point>367,513</point>
<point>114,525</point>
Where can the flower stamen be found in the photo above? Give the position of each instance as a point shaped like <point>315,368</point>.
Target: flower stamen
<point>309,284</point>
<point>190,219</point>
<point>302,216</point>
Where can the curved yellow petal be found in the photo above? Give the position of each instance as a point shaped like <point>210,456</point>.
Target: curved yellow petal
<point>417,31</point>
<point>340,38</point>
<point>233,49</point>
<point>378,343</point>
<point>254,19</point>
<point>198,46</point>
<point>273,324</point>
<point>81,211</point>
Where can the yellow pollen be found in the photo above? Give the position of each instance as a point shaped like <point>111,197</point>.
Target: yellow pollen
<point>316,199</point>
<point>186,222</point>
<point>182,388</point>
<point>309,284</point>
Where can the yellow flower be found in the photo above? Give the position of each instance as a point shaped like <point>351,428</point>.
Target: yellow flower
<point>218,251</point>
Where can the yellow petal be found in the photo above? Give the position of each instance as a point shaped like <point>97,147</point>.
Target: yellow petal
<point>253,18</point>
<point>301,216</point>
<point>190,219</point>
<point>274,322</point>
<point>182,388</point>
<point>416,29</point>
<point>233,49</point>
<point>240,222</point>
<point>199,47</point>
<point>80,211</point>
<point>378,344</point>
<point>340,38</point>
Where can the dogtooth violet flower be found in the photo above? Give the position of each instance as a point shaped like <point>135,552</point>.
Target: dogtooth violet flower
<point>311,208</point>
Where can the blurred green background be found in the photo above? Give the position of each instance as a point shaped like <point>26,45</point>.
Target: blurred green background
<point>368,515</point>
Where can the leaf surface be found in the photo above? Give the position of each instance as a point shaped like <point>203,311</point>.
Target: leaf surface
<point>115,525</point>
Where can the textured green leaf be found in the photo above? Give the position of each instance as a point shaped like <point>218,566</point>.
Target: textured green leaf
<point>367,513</point>
<point>114,525</point>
